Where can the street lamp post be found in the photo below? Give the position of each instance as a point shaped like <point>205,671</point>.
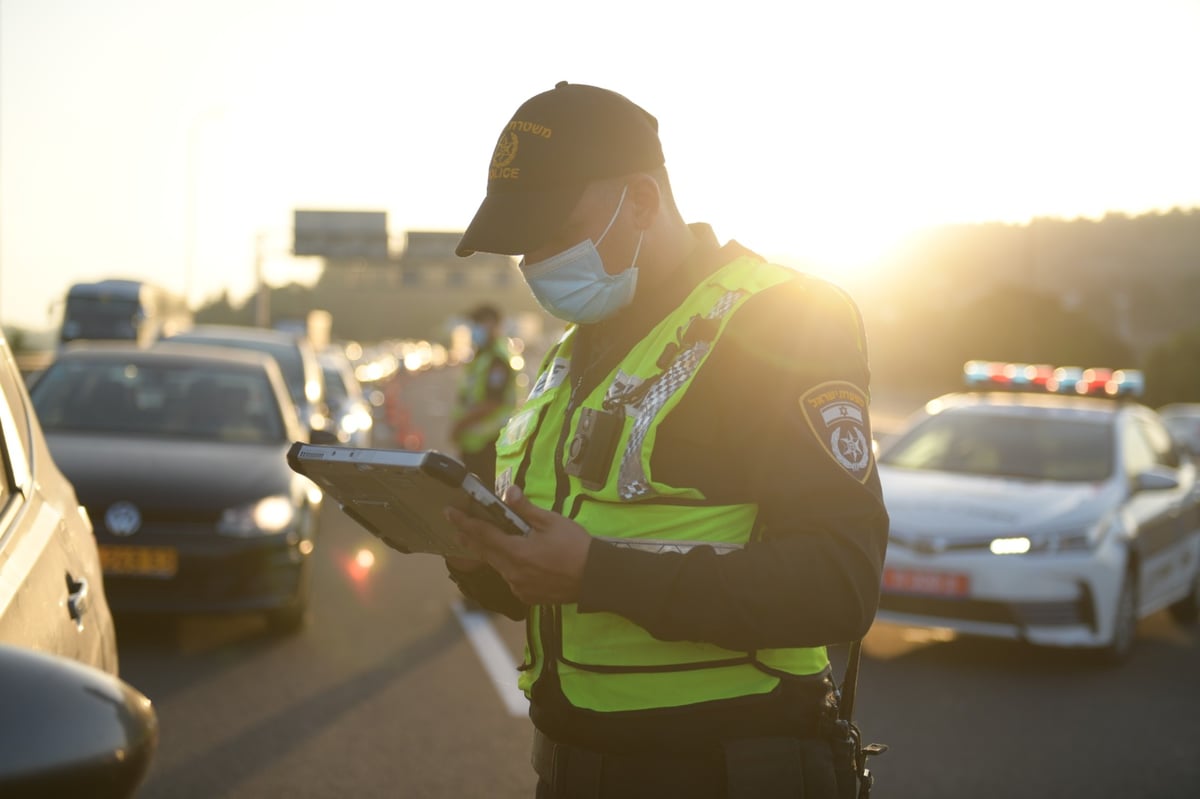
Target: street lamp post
<point>262,293</point>
<point>189,264</point>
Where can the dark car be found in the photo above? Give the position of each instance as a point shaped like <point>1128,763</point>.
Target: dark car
<point>349,409</point>
<point>178,454</point>
<point>295,355</point>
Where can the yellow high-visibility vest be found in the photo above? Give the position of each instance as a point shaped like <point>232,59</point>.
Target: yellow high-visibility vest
<point>603,661</point>
<point>473,391</point>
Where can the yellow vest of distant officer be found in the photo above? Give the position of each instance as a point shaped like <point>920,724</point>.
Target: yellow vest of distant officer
<point>474,390</point>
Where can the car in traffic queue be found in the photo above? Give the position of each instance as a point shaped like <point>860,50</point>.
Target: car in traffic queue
<point>295,354</point>
<point>1058,512</point>
<point>1183,420</point>
<point>52,593</point>
<point>350,413</point>
<point>70,725</point>
<point>178,453</point>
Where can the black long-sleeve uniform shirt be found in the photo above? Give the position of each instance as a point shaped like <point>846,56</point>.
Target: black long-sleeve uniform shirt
<point>739,434</point>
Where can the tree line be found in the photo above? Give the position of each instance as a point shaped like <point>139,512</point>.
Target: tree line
<point>1118,292</point>
<point>1121,291</point>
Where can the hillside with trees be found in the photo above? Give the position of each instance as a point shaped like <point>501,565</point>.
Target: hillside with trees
<point>1122,291</point>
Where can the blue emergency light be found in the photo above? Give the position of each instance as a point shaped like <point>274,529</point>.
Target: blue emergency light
<point>1092,382</point>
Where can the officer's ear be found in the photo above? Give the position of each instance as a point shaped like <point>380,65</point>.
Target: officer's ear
<point>646,196</point>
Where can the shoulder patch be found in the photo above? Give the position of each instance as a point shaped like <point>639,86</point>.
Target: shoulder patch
<point>836,411</point>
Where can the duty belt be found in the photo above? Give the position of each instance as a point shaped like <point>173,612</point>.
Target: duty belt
<point>578,772</point>
<point>749,768</point>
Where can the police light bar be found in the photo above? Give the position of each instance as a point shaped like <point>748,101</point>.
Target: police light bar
<point>1095,381</point>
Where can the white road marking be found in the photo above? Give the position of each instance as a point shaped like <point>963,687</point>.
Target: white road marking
<point>494,656</point>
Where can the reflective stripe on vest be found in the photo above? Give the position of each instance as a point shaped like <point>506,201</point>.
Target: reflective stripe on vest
<point>604,661</point>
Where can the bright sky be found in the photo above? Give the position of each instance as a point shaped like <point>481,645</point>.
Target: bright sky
<point>141,138</point>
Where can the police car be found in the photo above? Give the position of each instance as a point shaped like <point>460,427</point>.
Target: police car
<point>1042,504</point>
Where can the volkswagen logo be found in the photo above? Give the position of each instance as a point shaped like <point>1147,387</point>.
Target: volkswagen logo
<point>123,518</point>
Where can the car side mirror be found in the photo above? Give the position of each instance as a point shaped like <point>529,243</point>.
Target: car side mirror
<point>1156,479</point>
<point>70,729</point>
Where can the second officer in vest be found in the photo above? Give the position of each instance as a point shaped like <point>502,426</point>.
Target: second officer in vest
<point>486,394</point>
<point>695,461</point>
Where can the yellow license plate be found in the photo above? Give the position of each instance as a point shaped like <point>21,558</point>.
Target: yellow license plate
<point>144,561</point>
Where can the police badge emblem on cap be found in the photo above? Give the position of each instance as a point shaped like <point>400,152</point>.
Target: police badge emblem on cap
<point>546,154</point>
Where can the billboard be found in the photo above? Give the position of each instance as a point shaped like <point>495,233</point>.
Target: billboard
<point>341,235</point>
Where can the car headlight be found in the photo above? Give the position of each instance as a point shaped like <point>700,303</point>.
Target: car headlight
<point>1013,545</point>
<point>1078,540</point>
<point>269,515</point>
<point>1084,538</point>
<point>356,420</point>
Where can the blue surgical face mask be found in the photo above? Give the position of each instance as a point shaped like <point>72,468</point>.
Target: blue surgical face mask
<point>574,286</point>
<point>479,335</point>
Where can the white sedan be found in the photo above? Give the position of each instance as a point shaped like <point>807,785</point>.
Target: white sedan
<point>1056,519</point>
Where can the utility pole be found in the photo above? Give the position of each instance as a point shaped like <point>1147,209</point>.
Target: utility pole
<point>262,292</point>
<point>189,244</point>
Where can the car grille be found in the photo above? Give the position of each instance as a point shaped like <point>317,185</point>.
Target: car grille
<point>164,519</point>
<point>1019,614</point>
<point>936,544</point>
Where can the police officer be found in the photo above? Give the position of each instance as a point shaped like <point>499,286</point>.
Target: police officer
<point>695,462</point>
<point>486,395</point>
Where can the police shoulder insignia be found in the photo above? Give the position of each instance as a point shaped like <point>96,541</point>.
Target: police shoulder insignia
<point>837,413</point>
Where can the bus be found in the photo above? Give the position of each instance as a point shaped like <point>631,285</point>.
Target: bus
<point>131,310</point>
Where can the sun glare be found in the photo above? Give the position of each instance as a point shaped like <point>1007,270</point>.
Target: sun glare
<point>830,246</point>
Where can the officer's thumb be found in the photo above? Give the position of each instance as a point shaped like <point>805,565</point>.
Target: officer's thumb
<point>515,498</point>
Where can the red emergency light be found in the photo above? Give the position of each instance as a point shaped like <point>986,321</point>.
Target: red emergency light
<point>1093,381</point>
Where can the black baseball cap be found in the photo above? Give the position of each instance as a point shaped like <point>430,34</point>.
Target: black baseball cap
<point>484,313</point>
<point>554,145</point>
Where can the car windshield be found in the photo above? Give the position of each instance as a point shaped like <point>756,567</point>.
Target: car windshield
<point>1020,446</point>
<point>172,400</point>
<point>96,318</point>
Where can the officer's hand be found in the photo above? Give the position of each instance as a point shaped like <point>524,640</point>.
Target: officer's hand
<point>544,567</point>
<point>464,565</point>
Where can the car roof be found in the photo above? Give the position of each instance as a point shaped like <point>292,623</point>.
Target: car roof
<point>164,352</point>
<point>237,332</point>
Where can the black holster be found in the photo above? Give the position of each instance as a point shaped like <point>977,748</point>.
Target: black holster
<point>845,759</point>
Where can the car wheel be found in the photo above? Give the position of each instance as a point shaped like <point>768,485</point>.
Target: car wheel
<point>1125,620</point>
<point>1187,610</point>
<point>290,619</point>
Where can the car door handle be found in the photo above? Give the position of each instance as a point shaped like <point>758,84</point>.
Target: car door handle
<point>78,598</point>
